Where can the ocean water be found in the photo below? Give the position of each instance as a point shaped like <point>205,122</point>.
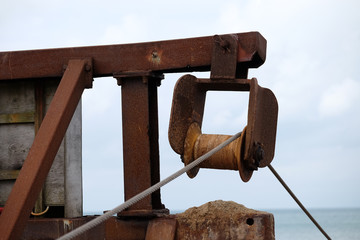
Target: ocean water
<point>337,223</point>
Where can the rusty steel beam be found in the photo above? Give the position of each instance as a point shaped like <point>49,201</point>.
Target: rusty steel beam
<point>184,55</point>
<point>140,138</point>
<point>45,146</point>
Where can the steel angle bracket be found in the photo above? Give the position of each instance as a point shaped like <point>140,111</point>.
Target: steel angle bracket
<point>260,134</point>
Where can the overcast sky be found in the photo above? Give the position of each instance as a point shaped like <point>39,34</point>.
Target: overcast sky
<point>312,66</point>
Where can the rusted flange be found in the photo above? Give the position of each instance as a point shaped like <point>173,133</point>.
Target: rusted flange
<point>261,126</point>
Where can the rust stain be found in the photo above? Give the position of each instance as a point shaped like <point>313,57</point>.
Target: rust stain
<point>67,225</point>
<point>155,57</point>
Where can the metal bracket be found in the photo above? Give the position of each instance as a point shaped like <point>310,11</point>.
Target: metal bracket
<point>88,69</point>
<point>224,57</point>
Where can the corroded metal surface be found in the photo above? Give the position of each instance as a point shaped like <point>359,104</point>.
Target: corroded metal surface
<point>224,57</point>
<point>220,220</point>
<point>257,143</point>
<point>112,229</point>
<point>262,125</point>
<point>161,228</point>
<point>187,107</point>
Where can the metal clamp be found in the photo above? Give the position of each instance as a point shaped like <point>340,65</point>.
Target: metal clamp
<point>256,146</point>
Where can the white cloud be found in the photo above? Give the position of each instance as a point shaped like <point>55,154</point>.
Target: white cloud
<point>310,46</point>
<point>340,97</point>
<point>101,99</point>
<point>131,28</point>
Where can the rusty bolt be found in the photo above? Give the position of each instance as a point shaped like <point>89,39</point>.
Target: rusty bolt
<point>224,44</point>
<point>87,67</point>
<point>154,54</point>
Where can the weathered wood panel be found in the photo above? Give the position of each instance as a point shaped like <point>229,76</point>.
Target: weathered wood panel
<point>17,98</point>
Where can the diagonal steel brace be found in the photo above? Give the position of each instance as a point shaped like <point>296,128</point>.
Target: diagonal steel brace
<point>77,77</point>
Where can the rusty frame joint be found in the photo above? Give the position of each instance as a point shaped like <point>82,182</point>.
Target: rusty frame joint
<point>146,76</point>
<point>224,57</point>
<point>87,70</point>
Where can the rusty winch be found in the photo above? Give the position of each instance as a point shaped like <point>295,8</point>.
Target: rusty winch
<point>255,148</point>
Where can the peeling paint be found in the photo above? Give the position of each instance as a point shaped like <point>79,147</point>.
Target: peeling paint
<point>68,226</point>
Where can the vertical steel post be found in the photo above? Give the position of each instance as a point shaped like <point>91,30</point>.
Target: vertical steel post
<point>140,138</point>
<point>78,75</point>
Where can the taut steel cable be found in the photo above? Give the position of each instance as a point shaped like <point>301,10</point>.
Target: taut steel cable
<point>298,201</point>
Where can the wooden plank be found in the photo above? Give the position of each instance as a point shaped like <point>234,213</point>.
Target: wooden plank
<point>9,174</point>
<point>26,117</point>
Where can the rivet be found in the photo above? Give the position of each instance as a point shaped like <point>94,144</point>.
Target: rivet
<point>154,54</point>
<point>87,67</point>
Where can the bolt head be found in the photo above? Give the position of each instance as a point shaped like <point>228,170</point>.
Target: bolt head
<point>259,154</point>
<point>87,67</point>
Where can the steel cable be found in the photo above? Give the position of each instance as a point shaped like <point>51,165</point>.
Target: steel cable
<point>298,201</point>
<point>93,223</point>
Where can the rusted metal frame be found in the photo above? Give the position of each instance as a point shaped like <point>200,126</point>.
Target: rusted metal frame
<point>189,102</point>
<point>262,116</point>
<point>161,228</point>
<point>112,229</point>
<point>184,55</point>
<point>140,138</point>
<point>261,126</point>
<point>224,57</point>
<point>32,176</point>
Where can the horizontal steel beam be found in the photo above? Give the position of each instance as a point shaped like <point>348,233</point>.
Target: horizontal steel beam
<point>113,228</point>
<point>184,55</point>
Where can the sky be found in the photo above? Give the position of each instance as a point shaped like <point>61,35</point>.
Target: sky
<point>312,66</point>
